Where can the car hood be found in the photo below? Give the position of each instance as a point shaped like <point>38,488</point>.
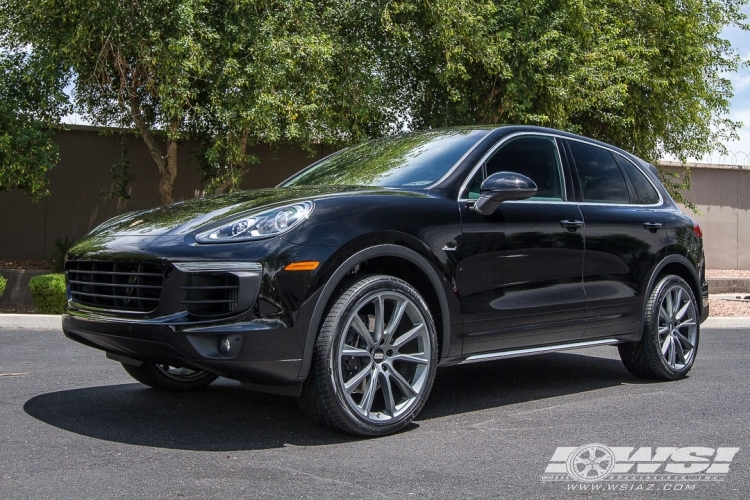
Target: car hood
<point>187,216</point>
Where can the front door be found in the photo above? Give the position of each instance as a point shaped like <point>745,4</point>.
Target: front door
<point>519,276</point>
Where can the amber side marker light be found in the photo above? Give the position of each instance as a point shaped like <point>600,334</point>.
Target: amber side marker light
<point>310,265</point>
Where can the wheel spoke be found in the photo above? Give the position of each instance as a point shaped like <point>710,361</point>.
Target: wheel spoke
<point>679,352</point>
<point>398,314</point>
<point>369,396</point>
<point>663,315</point>
<point>663,330</point>
<point>676,301</point>
<point>379,319</point>
<point>353,382</point>
<point>408,336</point>
<point>405,386</point>
<point>354,351</point>
<point>687,322</point>
<point>362,330</point>
<point>418,358</point>
<point>672,353</point>
<point>683,310</point>
<point>385,386</point>
<point>685,342</point>
<point>665,344</point>
<point>668,304</point>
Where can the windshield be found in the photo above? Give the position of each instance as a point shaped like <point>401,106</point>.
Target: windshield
<point>409,160</point>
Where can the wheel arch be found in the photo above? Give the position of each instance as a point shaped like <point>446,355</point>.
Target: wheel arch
<point>397,261</point>
<point>677,265</point>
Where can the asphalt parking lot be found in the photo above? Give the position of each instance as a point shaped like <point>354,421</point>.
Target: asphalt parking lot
<point>74,425</point>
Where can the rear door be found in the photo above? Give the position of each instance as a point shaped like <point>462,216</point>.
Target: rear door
<point>625,231</point>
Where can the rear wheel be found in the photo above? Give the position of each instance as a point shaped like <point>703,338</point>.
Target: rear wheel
<point>169,378</point>
<point>671,330</point>
<point>374,360</point>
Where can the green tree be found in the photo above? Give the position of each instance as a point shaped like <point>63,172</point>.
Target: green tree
<point>31,103</point>
<point>134,63</point>
<point>646,76</point>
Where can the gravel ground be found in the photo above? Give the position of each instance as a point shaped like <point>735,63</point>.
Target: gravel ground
<point>728,308</point>
<point>727,273</point>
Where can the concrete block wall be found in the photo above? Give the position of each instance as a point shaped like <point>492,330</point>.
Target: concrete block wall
<point>30,230</point>
<point>722,193</point>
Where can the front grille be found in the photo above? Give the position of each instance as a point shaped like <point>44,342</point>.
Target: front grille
<point>117,286</point>
<point>208,295</point>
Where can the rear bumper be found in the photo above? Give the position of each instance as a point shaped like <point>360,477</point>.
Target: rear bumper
<point>264,352</point>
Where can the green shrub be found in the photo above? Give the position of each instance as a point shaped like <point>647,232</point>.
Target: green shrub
<point>48,292</point>
<point>3,282</point>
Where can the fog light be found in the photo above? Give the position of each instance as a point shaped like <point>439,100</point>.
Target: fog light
<point>230,346</point>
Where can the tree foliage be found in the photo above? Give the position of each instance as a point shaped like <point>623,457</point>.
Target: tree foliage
<point>31,103</point>
<point>646,76</point>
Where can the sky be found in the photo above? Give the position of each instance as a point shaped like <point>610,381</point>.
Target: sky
<point>740,106</point>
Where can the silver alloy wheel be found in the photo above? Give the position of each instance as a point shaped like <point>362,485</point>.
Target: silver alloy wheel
<point>179,373</point>
<point>677,328</point>
<point>383,357</point>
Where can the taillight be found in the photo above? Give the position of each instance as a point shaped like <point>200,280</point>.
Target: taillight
<point>697,230</point>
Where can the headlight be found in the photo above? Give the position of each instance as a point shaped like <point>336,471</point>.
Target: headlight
<point>262,225</point>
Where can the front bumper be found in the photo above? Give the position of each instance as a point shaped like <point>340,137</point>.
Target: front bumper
<point>266,352</point>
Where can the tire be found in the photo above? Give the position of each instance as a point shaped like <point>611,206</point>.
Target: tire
<point>671,331</point>
<point>169,378</point>
<point>374,360</point>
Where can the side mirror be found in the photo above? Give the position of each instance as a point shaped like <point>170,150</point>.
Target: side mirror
<point>503,186</point>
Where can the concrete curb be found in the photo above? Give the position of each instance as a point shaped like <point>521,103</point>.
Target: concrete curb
<point>30,322</point>
<point>728,285</point>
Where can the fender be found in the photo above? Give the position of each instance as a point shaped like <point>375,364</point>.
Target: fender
<point>330,287</point>
<point>670,259</point>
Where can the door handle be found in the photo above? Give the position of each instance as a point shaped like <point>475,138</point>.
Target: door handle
<point>571,225</point>
<point>652,226</point>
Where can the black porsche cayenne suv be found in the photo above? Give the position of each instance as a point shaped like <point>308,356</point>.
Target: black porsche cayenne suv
<point>349,284</point>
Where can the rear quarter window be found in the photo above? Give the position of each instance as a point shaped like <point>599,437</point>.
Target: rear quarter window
<point>645,193</point>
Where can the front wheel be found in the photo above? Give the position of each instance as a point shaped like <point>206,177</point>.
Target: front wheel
<point>671,330</point>
<point>169,378</point>
<point>374,360</point>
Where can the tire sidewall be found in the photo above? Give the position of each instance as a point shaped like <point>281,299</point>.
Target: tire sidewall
<point>651,328</point>
<point>376,284</point>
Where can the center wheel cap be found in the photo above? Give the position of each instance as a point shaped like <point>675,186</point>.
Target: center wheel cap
<point>379,356</point>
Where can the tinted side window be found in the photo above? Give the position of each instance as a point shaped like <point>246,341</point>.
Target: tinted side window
<point>645,194</point>
<point>601,179</point>
<point>533,156</point>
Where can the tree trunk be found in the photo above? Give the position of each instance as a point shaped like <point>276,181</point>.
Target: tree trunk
<point>166,183</point>
<point>167,165</point>
<point>242,167</point>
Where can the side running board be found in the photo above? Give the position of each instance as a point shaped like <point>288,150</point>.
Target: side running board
<point>536,350</point>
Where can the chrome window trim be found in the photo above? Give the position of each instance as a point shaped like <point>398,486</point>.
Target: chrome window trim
<point>612,151</point>
<point>498,145</point>
<point>562,137</point>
